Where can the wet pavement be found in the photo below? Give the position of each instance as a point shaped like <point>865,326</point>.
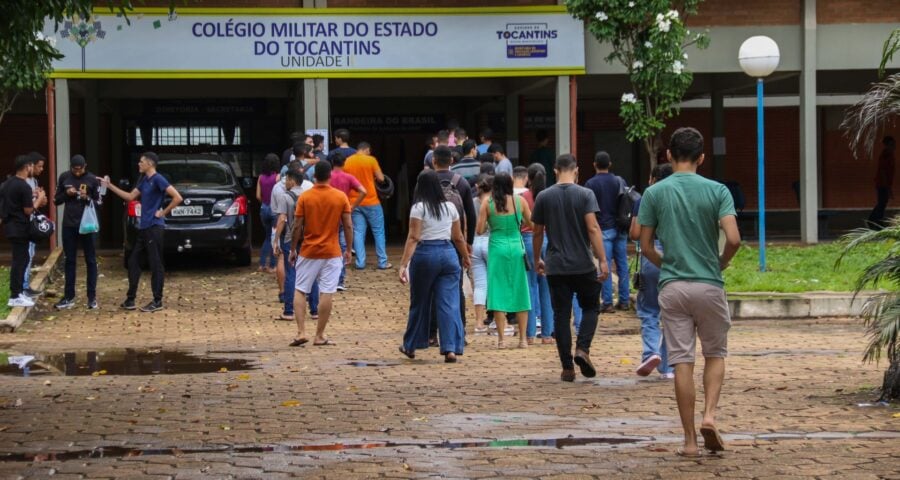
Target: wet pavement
<point>209,388</point>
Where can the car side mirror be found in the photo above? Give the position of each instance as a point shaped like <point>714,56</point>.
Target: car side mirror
<point>125,184</point>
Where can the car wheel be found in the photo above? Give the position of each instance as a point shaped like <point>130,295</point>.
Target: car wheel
<point>242,256</point>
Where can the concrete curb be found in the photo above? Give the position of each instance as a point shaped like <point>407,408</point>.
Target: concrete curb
<point>18,314</point>
<point>795,305</point>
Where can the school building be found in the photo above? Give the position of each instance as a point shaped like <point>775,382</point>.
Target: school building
<point>235,78</point>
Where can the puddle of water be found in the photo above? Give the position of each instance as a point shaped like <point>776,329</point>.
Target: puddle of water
<point>121,452</point>
<point>126,362</point>
<point>373,363</point>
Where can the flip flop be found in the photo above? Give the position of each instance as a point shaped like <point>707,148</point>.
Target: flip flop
<point>712,441</point>
<point>407,353</point>
<point>299,342</point>
<point>326,343</point>
<point>682,453</point>
<point>284,318</point>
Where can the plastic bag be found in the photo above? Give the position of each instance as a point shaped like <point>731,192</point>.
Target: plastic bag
<point>89,222</point>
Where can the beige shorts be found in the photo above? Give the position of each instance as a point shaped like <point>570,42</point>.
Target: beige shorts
<point>689,310</point>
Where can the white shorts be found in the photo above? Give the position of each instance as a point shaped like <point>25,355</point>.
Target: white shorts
<point>326,270</point>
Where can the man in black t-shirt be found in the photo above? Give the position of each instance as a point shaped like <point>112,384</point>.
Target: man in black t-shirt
<point>76,189</point>
<point>16,197</point>
<point>567,212</point>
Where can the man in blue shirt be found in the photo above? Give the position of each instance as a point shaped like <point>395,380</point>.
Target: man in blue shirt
<point>606,187</point>
<point>151,189</point>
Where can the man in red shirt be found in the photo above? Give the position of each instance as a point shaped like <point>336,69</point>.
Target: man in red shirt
<point>346,183</point>
<point>884,182</point>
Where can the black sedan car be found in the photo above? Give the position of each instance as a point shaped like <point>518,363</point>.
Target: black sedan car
<point>214,216</point>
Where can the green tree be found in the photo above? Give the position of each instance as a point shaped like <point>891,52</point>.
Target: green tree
<point>863,123</point>
<point>26,54</point>
<point>648,38</point>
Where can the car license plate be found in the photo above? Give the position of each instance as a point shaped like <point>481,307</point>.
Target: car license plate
<point>192,211</point>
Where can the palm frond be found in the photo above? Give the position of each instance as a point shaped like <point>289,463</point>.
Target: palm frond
<point>860,236</point>
<point>880,106</point>
<point>891,46</point>
<point>881,317</point>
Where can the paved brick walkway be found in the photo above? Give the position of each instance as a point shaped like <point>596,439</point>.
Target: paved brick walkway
<point>788,407</point>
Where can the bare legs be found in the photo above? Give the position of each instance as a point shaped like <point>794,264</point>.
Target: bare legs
<point>325,302</point>
<point>500,320</point>
<point>685,395</point>
<point>521,320</point>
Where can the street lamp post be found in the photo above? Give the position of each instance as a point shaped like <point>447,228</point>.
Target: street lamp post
<point>759,57</point>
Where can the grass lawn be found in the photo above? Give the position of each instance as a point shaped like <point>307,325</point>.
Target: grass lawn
<point>4,292</point>
<point>799,268</point>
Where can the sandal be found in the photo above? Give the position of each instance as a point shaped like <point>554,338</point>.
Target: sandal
<point>450,358</point>
<point>326,343</point>
<point>712,441</point>
<point>407,353</point>
<point>523,344</point>
<point>500,345</point>
<point>299,342</point>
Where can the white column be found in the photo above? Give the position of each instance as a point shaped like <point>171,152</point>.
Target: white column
<point>809,181</point>
<point>315,103</point>
<point>563,114</point>
<point>63,140</point>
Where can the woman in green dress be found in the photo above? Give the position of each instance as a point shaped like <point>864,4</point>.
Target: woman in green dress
<point>507,278</point>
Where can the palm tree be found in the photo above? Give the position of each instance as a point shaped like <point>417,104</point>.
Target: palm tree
<point>881,312</point>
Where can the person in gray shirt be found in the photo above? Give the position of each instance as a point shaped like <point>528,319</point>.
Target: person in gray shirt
<point>503,165</point>
<point>567,212</point>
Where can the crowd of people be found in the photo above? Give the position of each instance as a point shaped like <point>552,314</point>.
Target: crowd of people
<point>536,245</point>
<point>543,245</point>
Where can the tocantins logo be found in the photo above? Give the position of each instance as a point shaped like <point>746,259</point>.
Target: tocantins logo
<point>82,32</point>
<point>527,40</point>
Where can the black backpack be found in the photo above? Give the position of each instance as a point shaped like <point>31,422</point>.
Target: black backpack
<point>628,197</point>
<point>452,194</point>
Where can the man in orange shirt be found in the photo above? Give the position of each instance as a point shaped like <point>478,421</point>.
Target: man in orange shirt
<point>320,256</point>
<point>364,167</point>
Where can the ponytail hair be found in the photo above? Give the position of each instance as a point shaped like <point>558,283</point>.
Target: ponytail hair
<point>537,179</point>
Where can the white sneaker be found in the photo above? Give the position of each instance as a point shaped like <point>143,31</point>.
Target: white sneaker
<point>21,301</point>
<point>667,376</point>
<point>509,330</point>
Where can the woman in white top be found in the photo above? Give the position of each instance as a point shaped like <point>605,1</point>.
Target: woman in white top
<point>429,260</point>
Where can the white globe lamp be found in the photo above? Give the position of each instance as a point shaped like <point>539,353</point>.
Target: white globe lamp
<point>759,56</point>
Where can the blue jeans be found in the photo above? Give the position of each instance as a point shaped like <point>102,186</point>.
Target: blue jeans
<point>648,312</point>
<point>70,239</point>
<point>343,250</point>
<point>540,293</point>
<point>27,283</point>
<point>290,279</point>
<point>373,218</point>
<point>616,243</point>
<point>434,274</point>
<point>266,258</point>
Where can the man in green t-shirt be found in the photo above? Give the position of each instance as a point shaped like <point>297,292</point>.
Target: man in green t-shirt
<point>685,212</point>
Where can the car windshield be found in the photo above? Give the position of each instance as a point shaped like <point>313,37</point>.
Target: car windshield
<point>196,173</point>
